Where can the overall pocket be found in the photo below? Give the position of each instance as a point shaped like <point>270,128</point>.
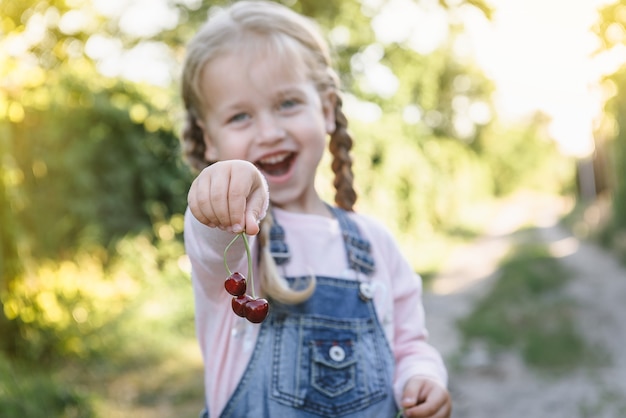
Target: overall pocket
<point>328,367</point>
<point>333,366</point>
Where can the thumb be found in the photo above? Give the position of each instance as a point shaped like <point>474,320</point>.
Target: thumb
<point>256,205</point>
<point>413,393</point>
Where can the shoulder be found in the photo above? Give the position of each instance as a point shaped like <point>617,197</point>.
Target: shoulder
<point>367,221</point>
<point>375,231</point>
<point>392,263</point>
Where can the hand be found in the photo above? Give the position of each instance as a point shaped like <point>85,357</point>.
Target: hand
<point>425,398</point>
<point>230,195</point>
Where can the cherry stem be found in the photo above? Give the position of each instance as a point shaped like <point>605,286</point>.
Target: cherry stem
<point>400,414</point>
<point>248,256</point>
<point>225,251</point>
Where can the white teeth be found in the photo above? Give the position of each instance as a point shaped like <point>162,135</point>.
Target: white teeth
<point>275,159</point>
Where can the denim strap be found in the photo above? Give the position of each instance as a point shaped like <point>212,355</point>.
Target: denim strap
<point>278,246</point>
<point>358,250</point>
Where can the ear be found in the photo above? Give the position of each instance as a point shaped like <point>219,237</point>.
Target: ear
<point>210,151</point>
<point>329,102</point>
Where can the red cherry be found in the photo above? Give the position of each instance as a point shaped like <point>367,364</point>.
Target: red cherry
<point>256,310</point>
<point>239,304</point>
<point>235,284</point>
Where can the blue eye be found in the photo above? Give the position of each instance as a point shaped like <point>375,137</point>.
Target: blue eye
<point>286,104</point>
<point>238,117</point>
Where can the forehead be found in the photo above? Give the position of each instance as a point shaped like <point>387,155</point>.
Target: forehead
<point>272,48</point>
<point>258,62</point>
<point>234,73</point>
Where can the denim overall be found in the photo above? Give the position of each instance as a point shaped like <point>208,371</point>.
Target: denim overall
<point>325,357</point>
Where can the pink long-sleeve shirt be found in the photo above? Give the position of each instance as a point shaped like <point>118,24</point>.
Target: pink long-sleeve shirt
<point>316,246</point>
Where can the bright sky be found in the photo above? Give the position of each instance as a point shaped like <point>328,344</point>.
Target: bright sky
<point>538,53</point>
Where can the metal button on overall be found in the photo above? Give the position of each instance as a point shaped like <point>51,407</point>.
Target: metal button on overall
<point>336,353</point>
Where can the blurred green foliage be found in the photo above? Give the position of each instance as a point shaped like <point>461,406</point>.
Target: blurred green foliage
<point>92,186</point>
<point>88,169</point>
<point>27,394</point>
<point>611,31</point>
<point>79,307</point>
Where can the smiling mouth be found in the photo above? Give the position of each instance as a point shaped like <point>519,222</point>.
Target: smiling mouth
<point>277,164</point>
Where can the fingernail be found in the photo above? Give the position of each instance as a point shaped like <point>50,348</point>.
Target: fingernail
<point>237,228</point>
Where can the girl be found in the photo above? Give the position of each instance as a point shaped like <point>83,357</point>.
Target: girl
<point>345,334</point>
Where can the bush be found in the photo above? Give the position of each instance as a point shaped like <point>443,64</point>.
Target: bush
<point>97,303</point>
<point>34,394</point>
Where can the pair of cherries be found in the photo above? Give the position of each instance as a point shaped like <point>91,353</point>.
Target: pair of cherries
<point>252,308</point>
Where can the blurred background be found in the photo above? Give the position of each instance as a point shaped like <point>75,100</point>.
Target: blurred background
<point>455,106</point>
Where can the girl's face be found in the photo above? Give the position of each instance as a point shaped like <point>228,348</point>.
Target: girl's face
<point>271,115</point>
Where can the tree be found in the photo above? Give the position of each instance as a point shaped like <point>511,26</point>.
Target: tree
<point>611,31</point>
<point>10,267</point>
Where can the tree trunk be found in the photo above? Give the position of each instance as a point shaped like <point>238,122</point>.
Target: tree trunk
<point>10,265</point>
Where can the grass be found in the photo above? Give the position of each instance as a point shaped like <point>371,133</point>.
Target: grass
<point>29,392</point>
<point>169,384</point>
<point>527,310</point>
<point>611,403</point>
<point>151,367</point>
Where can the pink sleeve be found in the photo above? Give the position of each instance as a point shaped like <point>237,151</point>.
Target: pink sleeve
<point>413,354</point>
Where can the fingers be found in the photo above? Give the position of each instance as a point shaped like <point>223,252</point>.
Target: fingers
<point>257,205</point>
<point>230,195</point>
<point>218,201</point>
<point>423,398</point>
<point>430,408</point>
<point>198,201</point>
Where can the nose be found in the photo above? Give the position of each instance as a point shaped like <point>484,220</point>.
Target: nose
<point>269,128</point>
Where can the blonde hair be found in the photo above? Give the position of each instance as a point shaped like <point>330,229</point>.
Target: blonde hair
<point>277,31</point>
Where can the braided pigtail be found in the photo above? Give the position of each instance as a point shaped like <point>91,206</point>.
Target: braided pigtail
<point>340,146</point>
<point>273,284</point>
<point>193,143</point>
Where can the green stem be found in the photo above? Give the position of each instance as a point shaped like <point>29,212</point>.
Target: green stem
<point>226,250</point>
<point>399,414</point>
<point>249,256</point>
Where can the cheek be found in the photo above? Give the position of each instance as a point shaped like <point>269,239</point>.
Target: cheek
<point>322,139</point>
<point>318,146</point>
<point>225,145</point>
<point>232,149</point>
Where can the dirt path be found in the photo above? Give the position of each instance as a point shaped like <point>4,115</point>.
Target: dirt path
<point>487,386</point>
